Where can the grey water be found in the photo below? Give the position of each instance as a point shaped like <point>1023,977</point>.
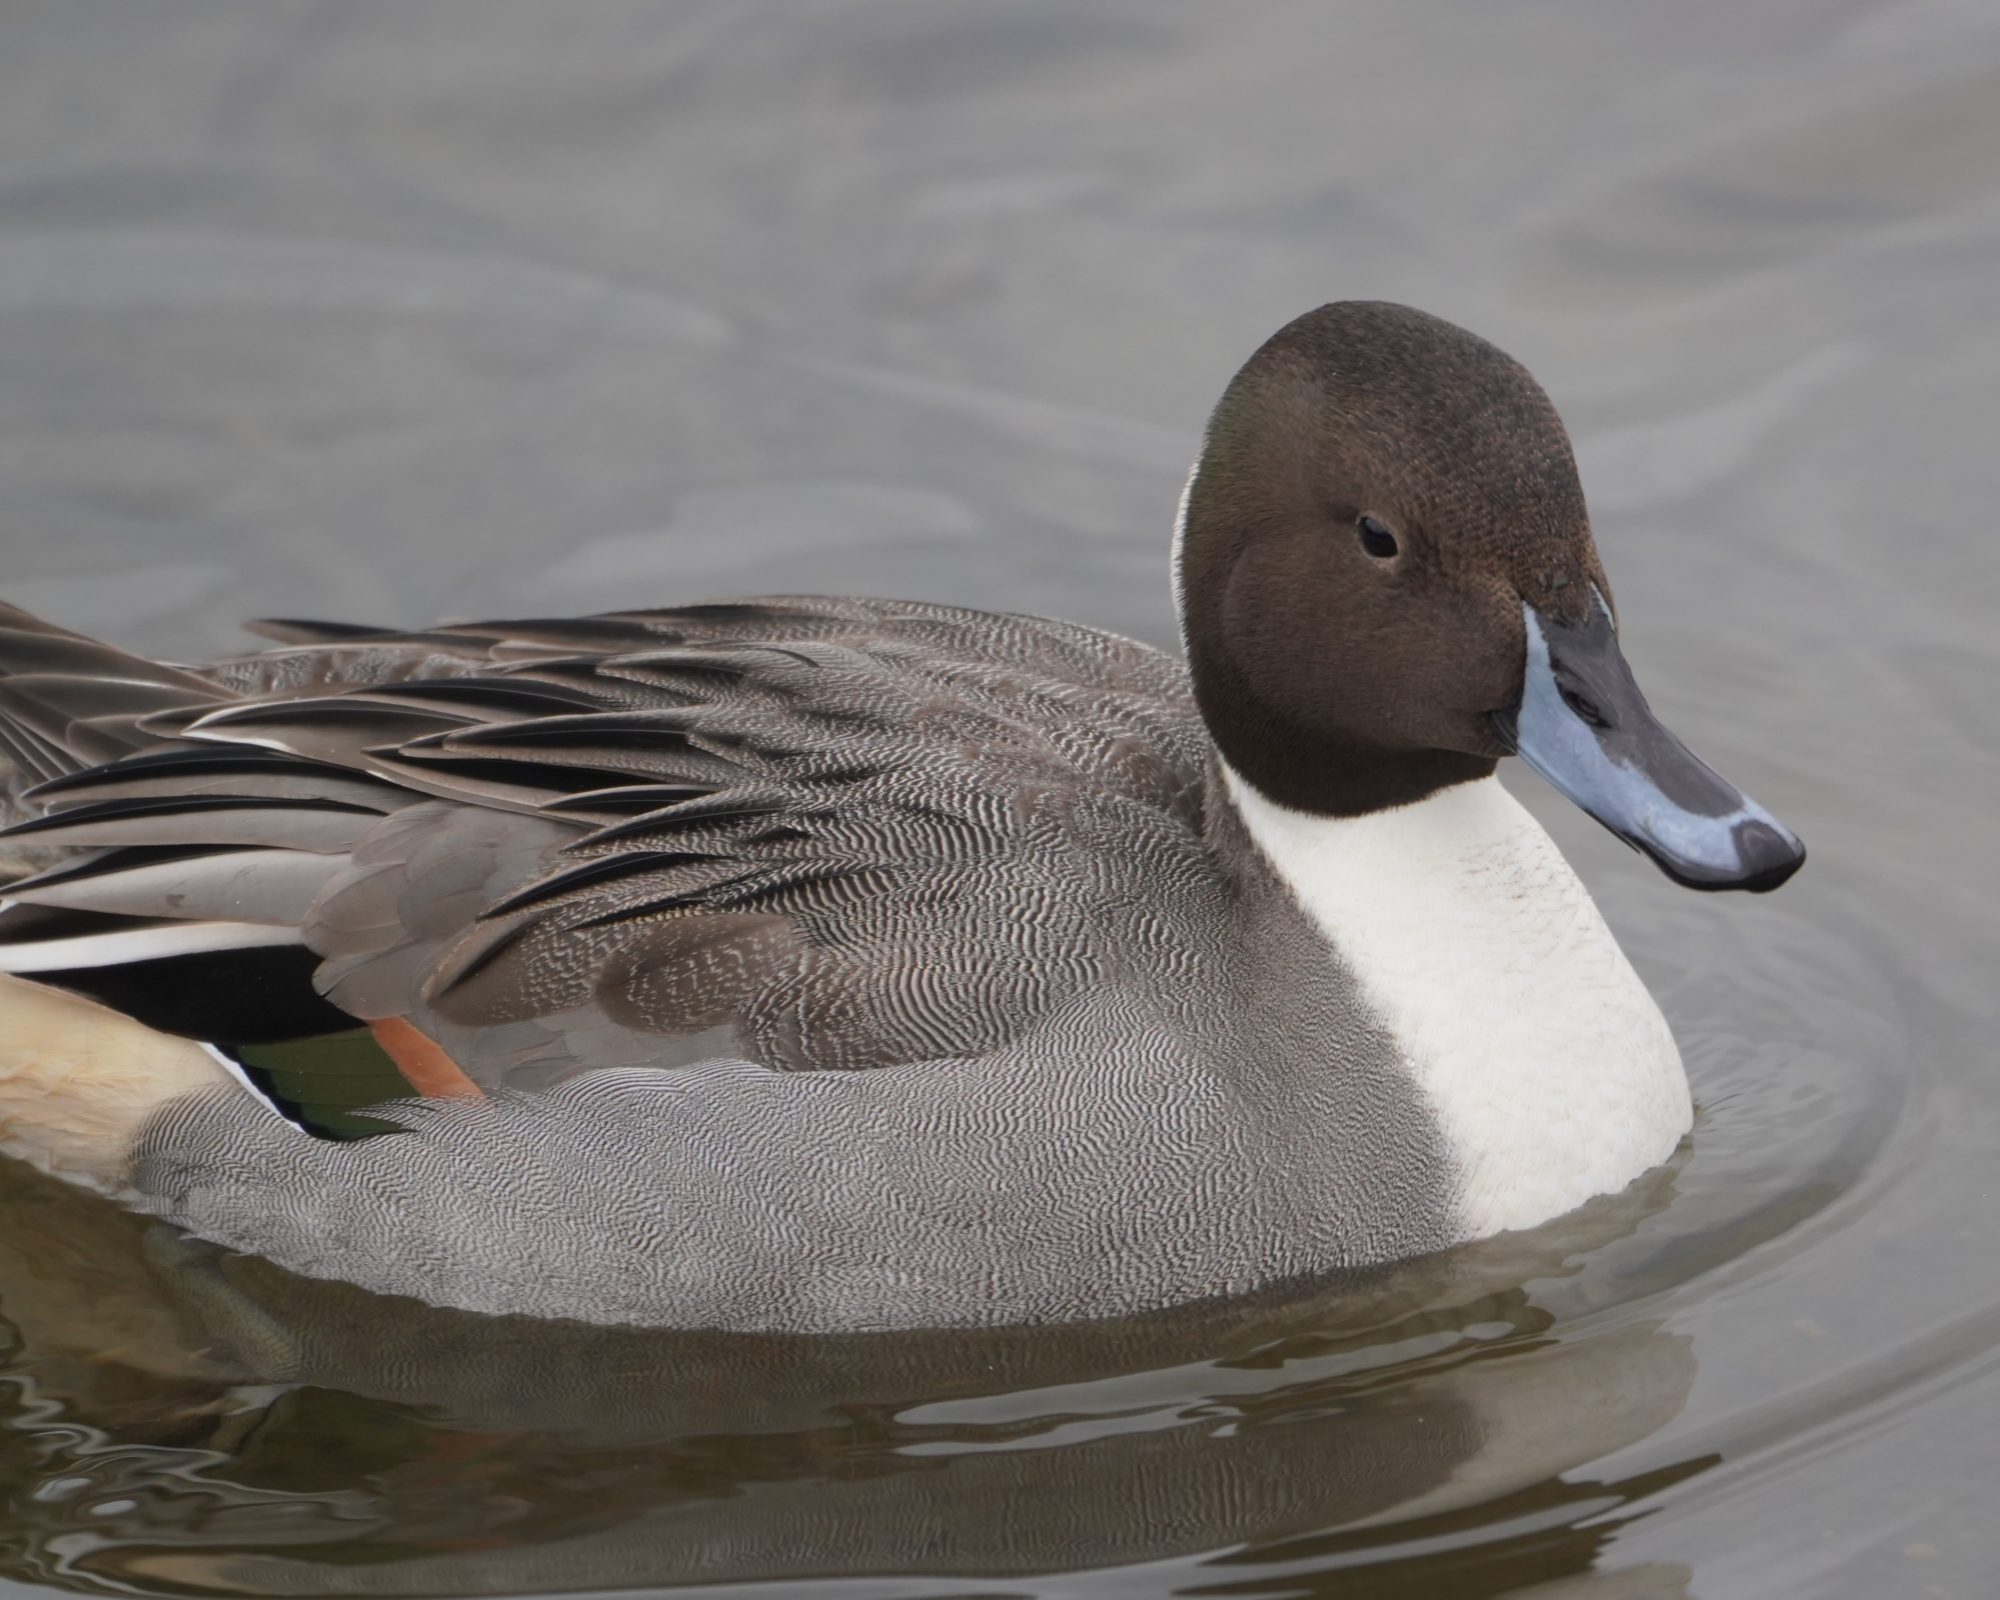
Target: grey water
<point>479,307</point>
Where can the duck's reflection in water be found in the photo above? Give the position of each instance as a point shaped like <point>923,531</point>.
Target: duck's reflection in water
<point>204,1422</point>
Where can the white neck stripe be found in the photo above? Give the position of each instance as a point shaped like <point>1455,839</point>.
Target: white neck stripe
<point>1180,544</point>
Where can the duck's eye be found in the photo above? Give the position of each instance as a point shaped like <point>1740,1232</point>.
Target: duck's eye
<point>1376,538</point>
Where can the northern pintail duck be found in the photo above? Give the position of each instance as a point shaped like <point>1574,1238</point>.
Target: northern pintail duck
<point>832,964</point>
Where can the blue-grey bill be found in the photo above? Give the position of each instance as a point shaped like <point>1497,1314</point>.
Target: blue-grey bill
<point>1583,725</point>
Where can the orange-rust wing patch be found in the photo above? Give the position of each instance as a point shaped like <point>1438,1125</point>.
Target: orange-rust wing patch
<point>421,1059</point>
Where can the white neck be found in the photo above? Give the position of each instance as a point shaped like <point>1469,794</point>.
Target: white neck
<point>1546,1062</point>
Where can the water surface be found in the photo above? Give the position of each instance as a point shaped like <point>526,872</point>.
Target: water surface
<point>394,312</point>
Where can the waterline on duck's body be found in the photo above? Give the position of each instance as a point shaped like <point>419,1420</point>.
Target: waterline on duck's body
<point>1547,1064</point>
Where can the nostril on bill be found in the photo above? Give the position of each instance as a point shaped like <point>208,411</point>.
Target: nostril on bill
<point>1586,709</point>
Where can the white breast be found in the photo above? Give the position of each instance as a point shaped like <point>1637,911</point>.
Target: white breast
<point>1548,1065</point>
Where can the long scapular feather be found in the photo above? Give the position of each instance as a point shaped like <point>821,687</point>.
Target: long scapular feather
<point>323,826</point>
<point>274,887</point>
<point>242,771</point>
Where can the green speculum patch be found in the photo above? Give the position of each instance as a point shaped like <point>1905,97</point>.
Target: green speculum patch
<point>325,1082</point>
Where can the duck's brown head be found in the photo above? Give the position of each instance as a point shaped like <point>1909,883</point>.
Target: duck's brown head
<point>1387,582</point>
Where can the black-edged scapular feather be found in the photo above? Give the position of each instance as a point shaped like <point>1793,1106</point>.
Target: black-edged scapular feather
<point>621,798</point>
<point>266,886</point>
<point>326,826</point>
<point>242,771</point>
<point>592,874</point>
